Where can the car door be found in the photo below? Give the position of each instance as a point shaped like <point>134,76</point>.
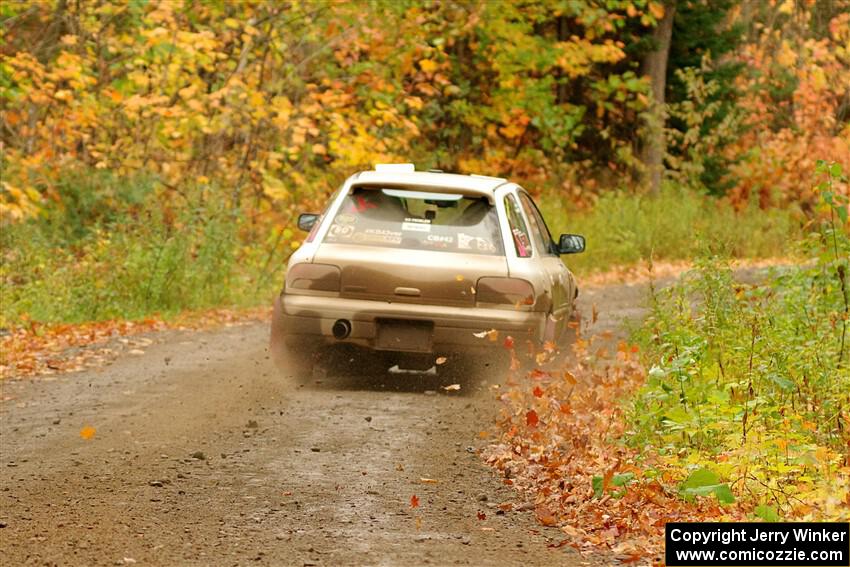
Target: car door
<point>557,275</point>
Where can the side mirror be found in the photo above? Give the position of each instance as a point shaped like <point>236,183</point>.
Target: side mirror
<point>571,244</point>
<point>307,220</point>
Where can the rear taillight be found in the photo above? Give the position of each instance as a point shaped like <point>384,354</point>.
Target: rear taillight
<point>512,292</point>
<point>315,277</point>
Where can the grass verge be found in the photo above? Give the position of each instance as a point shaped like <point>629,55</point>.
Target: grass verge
<point>678,224</point>
<point>120,254</point>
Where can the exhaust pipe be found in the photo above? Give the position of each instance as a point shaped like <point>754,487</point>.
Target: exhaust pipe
<point>341,329</point>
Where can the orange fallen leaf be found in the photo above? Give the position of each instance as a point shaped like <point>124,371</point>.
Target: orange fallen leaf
<point>87,432</point>
<point>414,501</point>
<point>531,418</point>
<point>481,515</point>
<point>537,392</point>
<point>509,342</point>
<point>545,517</point>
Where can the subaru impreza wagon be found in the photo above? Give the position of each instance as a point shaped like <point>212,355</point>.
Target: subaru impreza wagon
<point>422,264</point>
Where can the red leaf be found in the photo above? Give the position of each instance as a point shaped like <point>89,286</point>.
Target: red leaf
<point>537,392</point>
<point>482,515</point>
<point>538,374</point>
<point>414,501</point>
<point>509,342</point>
<point>531,418</point>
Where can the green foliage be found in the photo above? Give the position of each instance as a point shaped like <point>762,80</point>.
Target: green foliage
<point>767,513</point>
<point>701,33</point>
<point>623,228</point>
<point>704,482</point>
<point>753,377</point>
<point>133,260</point>
<point>617,481</point>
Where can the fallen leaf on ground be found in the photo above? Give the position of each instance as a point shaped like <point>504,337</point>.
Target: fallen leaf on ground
<point>441,360</point>
<point>414,501</point>
<point>428,480</point>
<point>87,432</point>
<point>452,387</point>
<point>48,349</point>
<point>545,516</point>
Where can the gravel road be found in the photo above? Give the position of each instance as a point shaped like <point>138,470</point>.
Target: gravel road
<point>202,455</point>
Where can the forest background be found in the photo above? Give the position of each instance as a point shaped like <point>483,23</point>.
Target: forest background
<point>155,154</point>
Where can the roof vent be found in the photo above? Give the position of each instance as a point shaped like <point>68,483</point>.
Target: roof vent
<point>395,167</point>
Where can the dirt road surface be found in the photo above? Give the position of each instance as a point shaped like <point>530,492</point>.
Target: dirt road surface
<point>202,455</point>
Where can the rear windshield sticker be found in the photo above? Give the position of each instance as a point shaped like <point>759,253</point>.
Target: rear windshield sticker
<point>341,231</point>
<point>416,225</point>
<point>470,242</point>
<point>346,219</point>
<point>439,241</point>
<point>378,236</point>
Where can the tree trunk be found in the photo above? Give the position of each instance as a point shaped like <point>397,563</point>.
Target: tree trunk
<point>654,66</point>
<point>563,35</point>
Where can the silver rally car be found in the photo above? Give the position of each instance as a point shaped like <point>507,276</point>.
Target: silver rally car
<point>420,265</point>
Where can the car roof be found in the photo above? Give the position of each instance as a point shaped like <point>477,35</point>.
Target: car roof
<point>430,180</point>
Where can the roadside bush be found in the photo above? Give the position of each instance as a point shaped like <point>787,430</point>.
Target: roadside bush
<point>624,228</point>
<point>129,258</point>
<point>751,381</point>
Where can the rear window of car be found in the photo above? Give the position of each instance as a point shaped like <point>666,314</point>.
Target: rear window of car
<point>417,220</point>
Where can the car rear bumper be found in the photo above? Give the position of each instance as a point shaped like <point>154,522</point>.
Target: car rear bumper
<point>307,317</point>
